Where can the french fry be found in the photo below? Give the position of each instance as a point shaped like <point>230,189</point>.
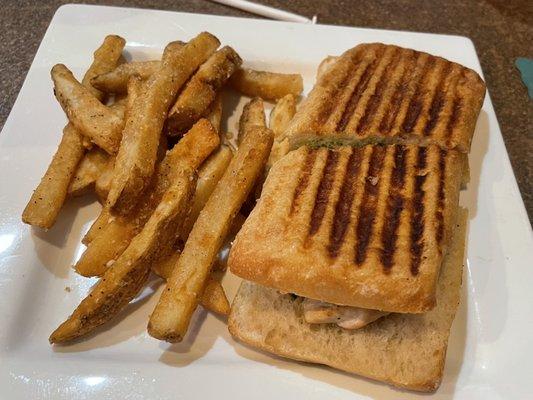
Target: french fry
<point>106,247</point>
<point>164,266</point>
<point>89,169</point>
<point>201,90</point>
<point>102,188</point>
<point>253,114</point>
<point>105,59</point>
<point>103,182</point>
<point>208,176</point>
<point>213,298</point>
<point>95,161</point>
<point>116,81</point>
<point>102,179</point>
<point>48,198</point>
<point>115,237</point>
<point>173,312</point>
<point>267,85</point>
<point>97,226</point>
<point>136,158</point>
<point>94,120</point>
<point>280,116</point>
<point>119,106</point>
<point>214,113</point>
<point>121,283</point>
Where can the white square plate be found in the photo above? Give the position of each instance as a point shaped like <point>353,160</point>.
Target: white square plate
<point>490,350</point>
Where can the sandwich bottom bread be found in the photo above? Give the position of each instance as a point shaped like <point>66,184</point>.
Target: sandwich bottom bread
<point>404,350</point>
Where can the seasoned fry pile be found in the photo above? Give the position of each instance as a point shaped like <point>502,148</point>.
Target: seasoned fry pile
<point>146,138</point>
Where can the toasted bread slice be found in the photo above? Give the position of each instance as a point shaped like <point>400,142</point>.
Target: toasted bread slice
<point>404,350</point>
<point>360,226</point>
<point>388,94</point>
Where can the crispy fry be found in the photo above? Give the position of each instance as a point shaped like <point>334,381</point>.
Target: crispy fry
<point>98,225</point>
<point>172,315</point>
<point>89,169</point>
<point>48,198</point>
<point>121,283</point>
<point>214,113</point>
<point>103,182</point>
<point>213,299</point>
<point>164,266</point>
<point>201,90</point>
<point>136,158</point>
<point>116,81</point>
<point>105,59</point>
<point>253,114</point>
<point>280,116</point>
<point>106,246</point>
<point>208,176</point>
<point>119,106</point>
<point>113,239</point>
<point>94,120</point>
<point>116,237</point>
<point>267,85</point>
<point>95,162</point>
<point>279,149</point>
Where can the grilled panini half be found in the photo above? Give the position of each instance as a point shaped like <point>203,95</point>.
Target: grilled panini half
<point>388,94</point>
<point>404,350</point>
<point>361,226</point>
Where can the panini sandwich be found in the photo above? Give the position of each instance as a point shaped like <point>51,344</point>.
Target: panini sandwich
<point>388,94</point>
<point>354,251</point>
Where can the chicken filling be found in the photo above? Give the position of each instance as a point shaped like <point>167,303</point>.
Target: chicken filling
<point>347,317</point>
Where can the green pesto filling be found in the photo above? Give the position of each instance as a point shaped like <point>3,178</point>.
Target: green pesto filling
<point>332,143</point>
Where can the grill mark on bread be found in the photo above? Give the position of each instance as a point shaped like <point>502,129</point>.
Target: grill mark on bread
<point>303,179</point>
<point>417,212</point>
<point>454,117</point>
<point>395,205</point>
<point>359,89</point>
<point>341,218</point>
<point>327,106</point>
<point>365,223</point>
<point>391,112</point>
<point>323,192</point>
<point>377,97</point>
<point>438,100</point>
<point>441,197</point>
<point>416,102</point>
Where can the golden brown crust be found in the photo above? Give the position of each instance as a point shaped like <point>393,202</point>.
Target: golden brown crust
<point>364,226</point>
<point>377,92</point>
<point>403,350</point>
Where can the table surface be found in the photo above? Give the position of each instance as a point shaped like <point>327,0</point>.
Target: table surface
<point>501,31</point>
